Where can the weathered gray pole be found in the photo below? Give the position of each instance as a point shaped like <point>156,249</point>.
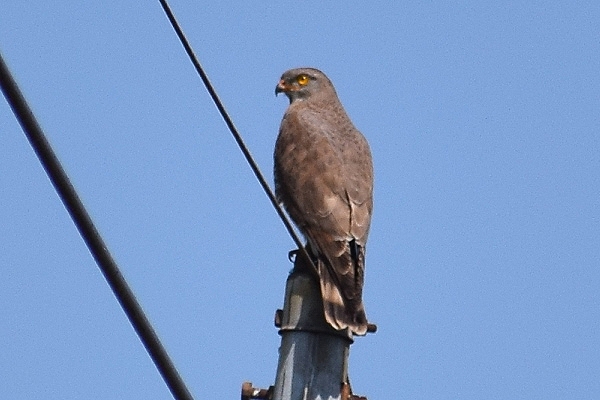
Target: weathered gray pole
<point>313,357</point>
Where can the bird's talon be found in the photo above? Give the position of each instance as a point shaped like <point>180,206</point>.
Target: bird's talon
<point>292,255</point>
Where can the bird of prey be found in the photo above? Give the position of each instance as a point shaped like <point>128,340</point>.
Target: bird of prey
<point>324,179</point>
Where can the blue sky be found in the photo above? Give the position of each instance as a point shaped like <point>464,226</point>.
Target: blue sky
<point>483,263</point>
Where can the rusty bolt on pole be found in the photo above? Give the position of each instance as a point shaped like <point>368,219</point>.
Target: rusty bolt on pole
<point>347,393</point>
<point>249,392</point>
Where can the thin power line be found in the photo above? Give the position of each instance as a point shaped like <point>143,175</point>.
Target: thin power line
<point>90,235</point>
<point>234,131</point>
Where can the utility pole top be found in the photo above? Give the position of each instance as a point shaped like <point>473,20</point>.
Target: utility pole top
<point>313,356</point>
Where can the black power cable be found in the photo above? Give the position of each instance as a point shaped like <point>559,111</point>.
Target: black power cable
<point>236,135</point>
<point>90,235</point>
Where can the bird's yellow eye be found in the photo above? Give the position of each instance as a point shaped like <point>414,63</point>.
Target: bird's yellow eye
<point>302,79</point>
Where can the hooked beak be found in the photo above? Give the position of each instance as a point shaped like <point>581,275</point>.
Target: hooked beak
<point>282,86</point>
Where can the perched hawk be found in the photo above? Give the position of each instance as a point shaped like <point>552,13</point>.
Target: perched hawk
<point>324,178</point>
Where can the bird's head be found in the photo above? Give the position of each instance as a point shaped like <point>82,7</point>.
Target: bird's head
<point>302,83</point>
